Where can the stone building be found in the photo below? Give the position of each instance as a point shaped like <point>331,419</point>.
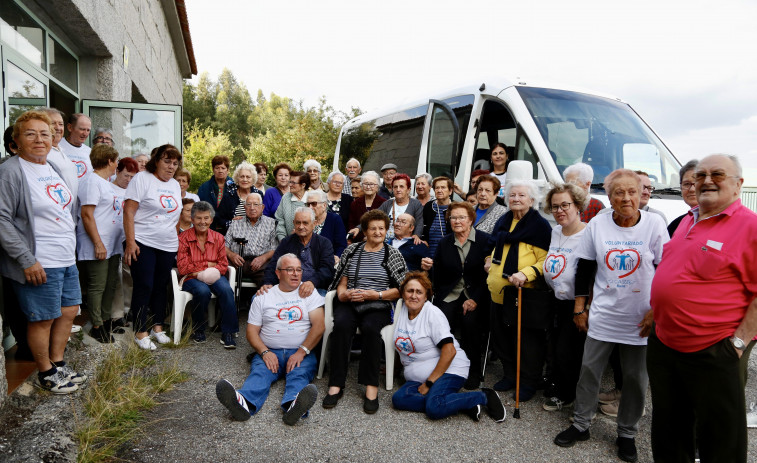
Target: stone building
<point>120,61</point>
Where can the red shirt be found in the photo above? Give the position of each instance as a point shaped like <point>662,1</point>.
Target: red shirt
<point>591,210</point>
<point>706,279</point>
<point>191,259</point>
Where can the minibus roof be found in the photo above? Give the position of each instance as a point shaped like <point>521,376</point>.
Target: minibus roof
<point>493,86</point>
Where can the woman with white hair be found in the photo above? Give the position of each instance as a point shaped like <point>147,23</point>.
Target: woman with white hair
<point>245,176</point>
<point>327,224</point>
<point>339,202</point>
<point>522,238</point>
<point>582,175</point>
<point>423,188</point>
<point>313,169</point>
<point>369,201</point>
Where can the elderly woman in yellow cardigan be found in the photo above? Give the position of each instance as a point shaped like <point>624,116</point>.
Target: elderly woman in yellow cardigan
<point>522,239</point>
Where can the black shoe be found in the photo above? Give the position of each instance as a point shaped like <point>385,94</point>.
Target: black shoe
<point>331,400</point>
<point>115,326</point>
<point>504,384</point>
<point>472,383</point>
<point>494,406</point>
<point>227,341</point>
<point>101,335</point>
<point>250,356</point>
<point>551,391</point>
<point>232,400</point>
<point>199,337</point>
<point>370,406</point>
<point>526,393</point>
<point>569,437</point>
<point>474,413</point>
<point>627,449</point>
<point>301,404</point>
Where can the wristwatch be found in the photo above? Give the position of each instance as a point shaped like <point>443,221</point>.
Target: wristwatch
<point>738,343</point>
<point>429,383</point>
<point>307,351</point>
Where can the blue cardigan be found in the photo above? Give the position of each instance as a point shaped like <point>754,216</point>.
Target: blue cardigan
<point>333,229</point>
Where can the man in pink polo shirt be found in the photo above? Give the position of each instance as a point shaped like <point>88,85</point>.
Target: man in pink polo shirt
<point>704,298</point>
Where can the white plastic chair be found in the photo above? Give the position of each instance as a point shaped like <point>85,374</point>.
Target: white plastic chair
<point>387,334</point>
<point>180,299</point>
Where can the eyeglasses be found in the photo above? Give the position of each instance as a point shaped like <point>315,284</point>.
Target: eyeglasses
<point>687,185</point>
<point>292,270</point>
<point>564,206</point>
<point>718,176</point>
<point>313,203</point>
<point>401,221</point>
<point>313,171</point>
<point>32,135</point>
<point>649,188</point>
<point>253,205</point>
<point>105,139</point>
<point>458,218</point>
<point>370,185</point>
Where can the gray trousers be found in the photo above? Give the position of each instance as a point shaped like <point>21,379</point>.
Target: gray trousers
<point>633,360</point>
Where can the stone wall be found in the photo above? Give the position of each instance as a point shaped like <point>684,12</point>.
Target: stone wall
<point>98,31</point>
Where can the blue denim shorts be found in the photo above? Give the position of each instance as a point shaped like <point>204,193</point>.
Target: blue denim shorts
<point>43,302</point>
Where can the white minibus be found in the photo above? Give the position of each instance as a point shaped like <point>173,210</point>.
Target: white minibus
<point>451,133</point>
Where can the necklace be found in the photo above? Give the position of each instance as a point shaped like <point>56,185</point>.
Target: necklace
<point>562,241</point>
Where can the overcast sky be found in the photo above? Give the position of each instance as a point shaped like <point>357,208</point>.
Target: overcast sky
<point>688,67</point>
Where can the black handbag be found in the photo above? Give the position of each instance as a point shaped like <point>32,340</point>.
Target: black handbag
<point>367,306</point>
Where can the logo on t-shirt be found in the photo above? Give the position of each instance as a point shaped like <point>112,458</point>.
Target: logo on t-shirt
<point>81,168</point>
<point>555,264</point>
<point>404,345</point>
<point>290,314</point>
<point>623,260</point>
<point>118,206</point>
<point>60,194</point>
<point>169,203</point>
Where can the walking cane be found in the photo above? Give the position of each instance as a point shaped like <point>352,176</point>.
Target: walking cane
<point>516,412</point>
<point>242,242</point>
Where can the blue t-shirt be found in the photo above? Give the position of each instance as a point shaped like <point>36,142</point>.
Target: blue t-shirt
<point>480,213</point>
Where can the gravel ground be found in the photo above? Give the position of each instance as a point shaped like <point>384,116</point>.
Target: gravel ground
<point>193,426</point>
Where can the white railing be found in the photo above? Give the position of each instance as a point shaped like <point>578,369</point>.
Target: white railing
<point>749,197</point>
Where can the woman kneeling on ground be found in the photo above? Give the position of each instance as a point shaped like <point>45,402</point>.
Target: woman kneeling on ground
<point>202,261</point>
<point>435,366</point>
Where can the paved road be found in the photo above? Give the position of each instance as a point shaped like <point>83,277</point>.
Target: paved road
<point>193,426</point>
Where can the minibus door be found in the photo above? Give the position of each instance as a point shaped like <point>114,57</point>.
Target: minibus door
<point>441,135</point>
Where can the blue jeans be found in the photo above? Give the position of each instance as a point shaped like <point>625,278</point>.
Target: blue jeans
<point>201,293</point>
<point>441,401</point>
<point>257,386</point>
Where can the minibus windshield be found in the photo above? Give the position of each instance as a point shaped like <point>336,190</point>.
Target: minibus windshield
<point>604,133</point>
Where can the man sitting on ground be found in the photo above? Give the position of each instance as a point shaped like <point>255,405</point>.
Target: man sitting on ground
<point>282,327</point>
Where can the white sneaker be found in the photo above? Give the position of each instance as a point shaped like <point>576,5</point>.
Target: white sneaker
<point>145,343</point>
<point>75,328</point>
<point>160,336</point>
<point>751,416</point>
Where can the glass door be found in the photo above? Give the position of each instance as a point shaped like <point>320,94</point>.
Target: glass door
<point>25,87</point>
<point>439,151</point>
<point>137,127</point>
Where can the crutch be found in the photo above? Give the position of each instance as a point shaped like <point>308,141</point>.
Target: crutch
<point>242,242</point>
<point>516,412</point>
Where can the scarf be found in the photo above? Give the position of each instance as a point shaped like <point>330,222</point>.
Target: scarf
<point>532,229</point>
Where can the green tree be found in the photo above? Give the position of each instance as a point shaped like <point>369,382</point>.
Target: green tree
<point>201,144</point>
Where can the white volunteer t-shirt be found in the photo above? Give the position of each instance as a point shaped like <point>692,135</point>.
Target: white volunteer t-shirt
<point>120,194</point>
<point>158,212</point>
<point>501,177</point>
<point>79,155</point>
<point>561,263</point>
<point>54,229</point>
<point>192,196</point>
<point>416,341</point>
<point>284,317</point>
<point>96,191</point>
<point>67,169</point>
<point>625,257</point>
<point>395,211</point>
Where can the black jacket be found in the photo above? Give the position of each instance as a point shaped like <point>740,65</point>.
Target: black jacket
<point>322,254</point>
<point>448,269</point>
